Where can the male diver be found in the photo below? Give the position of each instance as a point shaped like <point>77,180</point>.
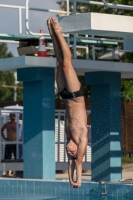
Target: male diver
<point>71,91</point>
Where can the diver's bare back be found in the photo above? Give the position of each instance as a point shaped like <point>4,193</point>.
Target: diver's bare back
<point>77,118</point>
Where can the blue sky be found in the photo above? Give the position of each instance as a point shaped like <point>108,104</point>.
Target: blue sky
<point>37,20</point>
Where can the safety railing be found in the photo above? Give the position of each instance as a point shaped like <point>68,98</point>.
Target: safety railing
<point>42,10</point>
<point>104,3</point>
<point>27,8</point>
<point>67,12</point>
<point>20,8</point>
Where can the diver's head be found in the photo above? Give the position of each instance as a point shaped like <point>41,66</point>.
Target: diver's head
<point>72,149</point>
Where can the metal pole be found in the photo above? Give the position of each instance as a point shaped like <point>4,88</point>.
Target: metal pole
<point>87,50</point>
<point>75,56</point>
<point>93,50</point>
<point>20,21</point>
<point>15,86</point>
<point>67,9</point>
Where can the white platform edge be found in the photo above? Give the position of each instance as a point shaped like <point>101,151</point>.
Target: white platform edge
<point>81,66</point>
<point>98,24</point>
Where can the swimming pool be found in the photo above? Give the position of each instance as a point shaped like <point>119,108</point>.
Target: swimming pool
<point>25,189</point>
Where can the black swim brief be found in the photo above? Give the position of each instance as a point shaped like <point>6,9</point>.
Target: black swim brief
<point>9,149</point>
<point>70,95</point>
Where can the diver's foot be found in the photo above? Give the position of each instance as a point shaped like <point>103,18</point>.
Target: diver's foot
<point>52,32</point>
<point>50,27</point>
<point>56,26</point>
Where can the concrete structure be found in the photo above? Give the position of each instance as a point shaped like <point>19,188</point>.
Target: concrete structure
<point>80,66</point>
<point>104,79</point>
<point>98,24</point>
<point>106,125</point>
<point>39,122</point>
<point>33,71</point>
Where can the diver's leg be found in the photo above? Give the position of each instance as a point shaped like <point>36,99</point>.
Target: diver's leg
<point>72,82</point>
<point>60,75</point>
<point>60,79</point>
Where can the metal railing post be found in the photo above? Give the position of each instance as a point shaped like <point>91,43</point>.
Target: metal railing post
<point>20,21</point>
<point>93,50</point>
<point>74,48</point>
<point>27,8</point>
<point>67,10</point>
<point>87,50</point>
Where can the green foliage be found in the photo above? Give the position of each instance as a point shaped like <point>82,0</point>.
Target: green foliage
<point>4,51</point>
<point>127,89</point>
<point>86,88</point>
<point>127,84</point>
<point>83,8</point>
<point>127,57</point>
<point>104,9</point>
<point>20,92</point>
<point>7,79</point>
<point>127,160</point>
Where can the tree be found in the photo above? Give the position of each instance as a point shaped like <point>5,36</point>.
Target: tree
<point>86,88</point>
<point>83,8</point>
<point>20,91</point>
<point>7,79</point>
<point>4,51</point>
<point>127,89</point>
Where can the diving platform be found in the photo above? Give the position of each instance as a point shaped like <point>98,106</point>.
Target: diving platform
<point>17,37</point>
<point>103,77</point>
<point>33,40</point>
<point>80,66</point>
<point>98,24</point>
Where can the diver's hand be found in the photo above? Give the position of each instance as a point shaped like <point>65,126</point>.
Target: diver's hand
<point>75,184</point>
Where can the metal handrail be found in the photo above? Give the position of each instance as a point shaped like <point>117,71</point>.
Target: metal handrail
<point>11,142</point>
<point>20,8</point>
<point>104,3</point>
<point>88,2</point>
<point>27,8</point>
<point>42,10</point>
<point>11,6</point>
<point>117,6</point>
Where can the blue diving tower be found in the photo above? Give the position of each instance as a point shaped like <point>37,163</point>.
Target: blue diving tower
<point>103,76</point>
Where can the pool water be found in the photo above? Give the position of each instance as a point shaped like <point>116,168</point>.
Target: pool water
<point>23,189</point>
